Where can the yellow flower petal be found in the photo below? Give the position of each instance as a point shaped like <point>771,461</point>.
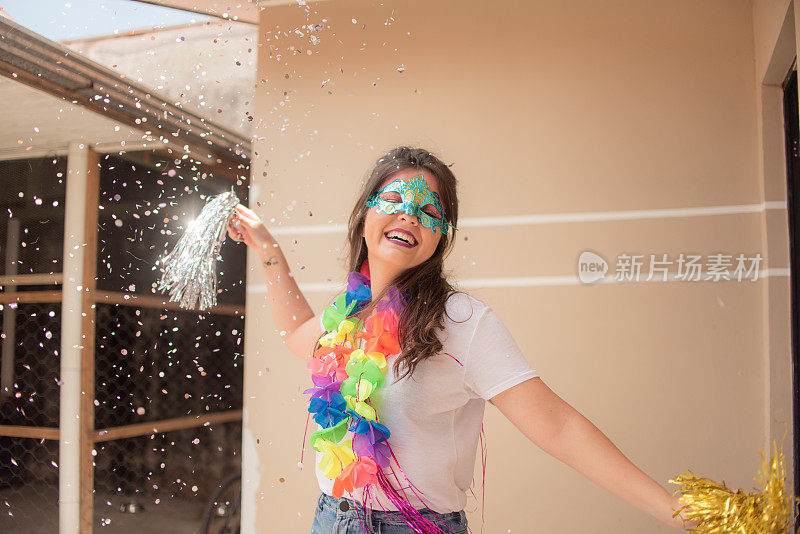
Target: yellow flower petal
<point>379,358</point>
<point>364,389</point>
<point>365,410</point>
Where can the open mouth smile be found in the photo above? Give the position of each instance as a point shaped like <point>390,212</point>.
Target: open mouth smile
<point>402,238</point>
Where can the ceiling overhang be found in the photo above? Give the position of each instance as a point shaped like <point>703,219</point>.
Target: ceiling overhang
<point>45,65</point>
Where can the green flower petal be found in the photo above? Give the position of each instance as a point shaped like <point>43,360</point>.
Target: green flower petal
<point>334,434</point>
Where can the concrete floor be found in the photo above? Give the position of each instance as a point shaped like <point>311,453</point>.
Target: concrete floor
<point>35,511</point>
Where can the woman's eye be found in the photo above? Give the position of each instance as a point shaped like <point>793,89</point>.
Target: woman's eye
<point>432,211</point>
<point>390,197</point>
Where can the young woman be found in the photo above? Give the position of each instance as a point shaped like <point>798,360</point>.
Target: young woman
<point>402,365</point>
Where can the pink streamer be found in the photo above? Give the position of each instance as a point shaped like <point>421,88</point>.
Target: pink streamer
<point>456,359</point>
<point>413,518</point>
<point>483,475</point>
<point>303,447</point>
<point>411,515</point>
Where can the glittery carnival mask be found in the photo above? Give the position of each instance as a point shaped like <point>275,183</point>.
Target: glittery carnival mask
<point>414,195</point>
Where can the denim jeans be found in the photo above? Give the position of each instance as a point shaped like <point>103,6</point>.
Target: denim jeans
<point>344,516</point>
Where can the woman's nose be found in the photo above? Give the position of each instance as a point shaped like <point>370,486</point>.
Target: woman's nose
<point>406,217</point>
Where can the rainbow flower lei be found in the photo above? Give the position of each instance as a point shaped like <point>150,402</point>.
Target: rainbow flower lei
<point>346,370</point>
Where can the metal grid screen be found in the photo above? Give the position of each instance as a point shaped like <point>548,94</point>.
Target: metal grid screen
<point>29,467</point>
<point>31,242</point>
<point>158,371</point>
<point>153,364</point>
<point>156,364</point>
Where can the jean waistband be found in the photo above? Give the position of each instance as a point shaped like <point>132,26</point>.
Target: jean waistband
<point>345,507</point>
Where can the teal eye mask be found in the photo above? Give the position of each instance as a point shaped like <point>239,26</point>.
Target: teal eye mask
<point>414,195</point>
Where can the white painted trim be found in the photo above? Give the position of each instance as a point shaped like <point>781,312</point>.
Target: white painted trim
<point>551,218</point>
<point>522,281</point>
<point>309,229</point>
<point>627,215</point>
<point>533,219</point>
<point>263,4</point>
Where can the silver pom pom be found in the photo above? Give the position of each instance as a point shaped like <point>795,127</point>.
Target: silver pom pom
<point>190,269</point>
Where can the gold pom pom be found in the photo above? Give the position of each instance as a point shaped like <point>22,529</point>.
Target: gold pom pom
<point>718,509</point>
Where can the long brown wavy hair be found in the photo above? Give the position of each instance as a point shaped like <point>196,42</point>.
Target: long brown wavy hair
<point>425,285</point>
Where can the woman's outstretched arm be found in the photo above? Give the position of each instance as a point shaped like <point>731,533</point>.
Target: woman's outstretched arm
<point>561,431</point>
<point>294,318</point>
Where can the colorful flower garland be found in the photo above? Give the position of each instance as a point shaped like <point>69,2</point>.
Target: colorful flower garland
<point>346,370</point>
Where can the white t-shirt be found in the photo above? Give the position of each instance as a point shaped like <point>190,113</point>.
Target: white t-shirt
<point>435,415</point>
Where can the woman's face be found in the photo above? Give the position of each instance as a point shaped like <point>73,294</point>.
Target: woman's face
<point>398,241</point>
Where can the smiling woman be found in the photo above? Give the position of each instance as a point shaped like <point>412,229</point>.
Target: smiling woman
<point>399,313</point>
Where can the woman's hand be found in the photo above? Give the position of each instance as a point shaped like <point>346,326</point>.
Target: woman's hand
<point>246,226</point>
<point>678,521</point>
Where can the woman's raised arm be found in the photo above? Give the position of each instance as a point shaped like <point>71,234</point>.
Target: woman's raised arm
<point>561,431</point>
<point>298,326</point>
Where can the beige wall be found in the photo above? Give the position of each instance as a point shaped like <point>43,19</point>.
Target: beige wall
<point>775,40</point>
<point>544,108</point>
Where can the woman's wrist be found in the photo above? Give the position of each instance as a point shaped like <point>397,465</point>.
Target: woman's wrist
<point>270,255</point>
<point>681,520</point>
<point>267,247</point>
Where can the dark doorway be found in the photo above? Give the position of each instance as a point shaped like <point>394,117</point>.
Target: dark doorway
<point>792,132</point>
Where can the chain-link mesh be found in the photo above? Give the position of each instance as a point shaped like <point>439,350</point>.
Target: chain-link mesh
<point>163,474</point>
<point>32,197</point>
<point>150,364</point>
<point>156,364</point>
<point>29,467</point>
<point>153,365</point>
<point>28,485</point>
<point>35,392</point>
<point>31,242</point>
